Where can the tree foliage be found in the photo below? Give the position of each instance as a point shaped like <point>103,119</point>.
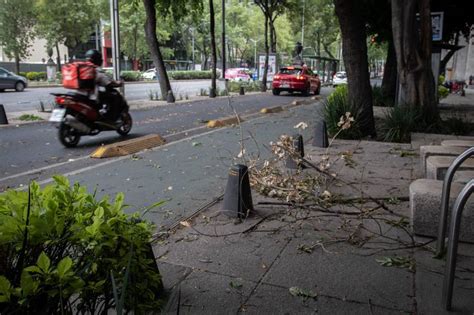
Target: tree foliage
<point>17,18</point>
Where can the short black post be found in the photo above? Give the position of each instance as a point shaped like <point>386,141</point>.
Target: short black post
<point>242,90</point>
<point>298,147</point>
<point>238,197</point>
<point>320,138</point>
<point>170,97</point>
<point>3,116</point>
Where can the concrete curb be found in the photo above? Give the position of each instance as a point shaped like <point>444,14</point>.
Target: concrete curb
<point>217,123</point>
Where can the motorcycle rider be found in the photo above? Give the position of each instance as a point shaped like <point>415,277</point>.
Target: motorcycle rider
<point>104,93</point>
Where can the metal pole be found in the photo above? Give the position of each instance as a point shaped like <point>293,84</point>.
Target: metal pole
<point>193,48</point>
<point>97,33</point>
<point>302,24</point>
<point>223,39</point>
<point>115,38</point>
<point>255,56</point>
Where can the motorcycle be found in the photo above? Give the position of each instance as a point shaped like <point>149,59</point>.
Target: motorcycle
<point>76,115</point>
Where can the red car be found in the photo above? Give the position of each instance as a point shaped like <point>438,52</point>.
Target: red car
<point>296,78</point>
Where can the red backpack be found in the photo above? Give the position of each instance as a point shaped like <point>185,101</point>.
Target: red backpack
<point>79,75</point>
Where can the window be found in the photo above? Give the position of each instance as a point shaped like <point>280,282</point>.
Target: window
<point>292,71</point>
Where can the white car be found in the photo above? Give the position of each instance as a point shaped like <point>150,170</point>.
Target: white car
<point>150,74</point>
<point>339,78</point>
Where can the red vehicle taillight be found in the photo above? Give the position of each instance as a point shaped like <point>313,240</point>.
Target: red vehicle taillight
<point>299,77</point>
<point>60,100</point>
<point>277,77</point>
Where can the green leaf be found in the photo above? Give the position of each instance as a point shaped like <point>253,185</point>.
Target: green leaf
<point>64,266</point>
<point>295,291</point>
<point>235,284</point>
<point>43,262</point>
<point>35,269</point>
<point>398,261</point>
<point>5,285</point>
<point>99,212</point>
<point>28,285</point>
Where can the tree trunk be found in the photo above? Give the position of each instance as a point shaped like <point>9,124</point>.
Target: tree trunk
<point>58,57</point>
<point>156,56</point>
<point>414,56</point>
<point>263,86</point>
<point>449,55</point>
<point>212,93</point>
<point>17,63</point>
<point>354,50</point>
<point>273,39</point>
<point>389,80</point>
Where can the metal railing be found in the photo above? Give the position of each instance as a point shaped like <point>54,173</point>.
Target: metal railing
<point>448,178</point>
<point>453,243</point>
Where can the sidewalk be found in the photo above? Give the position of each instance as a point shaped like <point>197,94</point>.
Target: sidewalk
<point>293,260</point>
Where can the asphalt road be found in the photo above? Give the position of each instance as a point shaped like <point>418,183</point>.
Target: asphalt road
<point>33,152</point>
<point>30,98</point>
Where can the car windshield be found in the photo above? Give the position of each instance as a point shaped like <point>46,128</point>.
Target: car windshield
<point>292,71</point>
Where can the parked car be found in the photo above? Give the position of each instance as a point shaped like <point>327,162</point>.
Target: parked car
<point>9,80</point>
<point>238,74</point>
<point>150,74</point>
<point>296,78</point>
<point>339,78</point>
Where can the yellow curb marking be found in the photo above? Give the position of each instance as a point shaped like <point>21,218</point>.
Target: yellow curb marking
<point>128,147</point>
<point>269,110</point>
<point>223,122</point>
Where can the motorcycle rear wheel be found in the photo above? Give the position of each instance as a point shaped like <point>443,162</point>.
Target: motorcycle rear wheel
<point>68,136</point>
<point>127,123</point>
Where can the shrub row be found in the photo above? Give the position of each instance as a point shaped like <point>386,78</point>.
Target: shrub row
<point>62,251</point>
<point>190,75</point>
<point>36,76</point>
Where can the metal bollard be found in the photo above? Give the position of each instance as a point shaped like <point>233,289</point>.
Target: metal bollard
<point>238,197</point>
<point>298,146</point>
<point>3,116</point>
<point>453,243</point>
<point>443,216</point>
<point>242,90</point>
<point>320,138</point>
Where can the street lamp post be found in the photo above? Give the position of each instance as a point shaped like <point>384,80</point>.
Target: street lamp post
<point>255,41</point>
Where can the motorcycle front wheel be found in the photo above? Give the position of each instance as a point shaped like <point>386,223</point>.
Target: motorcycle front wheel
<point>126,125</point>
<point>68,136</point>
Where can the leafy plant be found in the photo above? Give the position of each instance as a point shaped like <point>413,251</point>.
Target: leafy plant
<point>252,86</point>
<point>59,246</point>
<point>379,99</point>
<point>399,122</point>
<point>131,75</point>
<point>336,106</point>
<point>398,261</point>
<point>29,117</point>
<point>457,126</point>
<point>443,92</point>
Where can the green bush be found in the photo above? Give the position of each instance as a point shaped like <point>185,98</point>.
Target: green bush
<point>252,86</point>
<point>131,75</point>
<point>61,250</point>
<point>442,92</point>
<point>379,99</point>
<point>23,74</point>
<point>456,126</point>
<point>336,106</point>
<point>190,75</point>
<point>36,76</point>
<point>400,122</point>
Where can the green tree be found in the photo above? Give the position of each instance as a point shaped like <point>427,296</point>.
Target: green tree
<point>177,9</point>
<point>68,22</point>
<point>17,18</point>
<point>354,49</point>
<point>413,49</point>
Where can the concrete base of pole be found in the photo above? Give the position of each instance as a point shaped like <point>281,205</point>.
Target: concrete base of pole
<point>170,97</point>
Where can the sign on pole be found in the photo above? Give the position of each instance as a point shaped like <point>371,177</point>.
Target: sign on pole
<point>271,66</point>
